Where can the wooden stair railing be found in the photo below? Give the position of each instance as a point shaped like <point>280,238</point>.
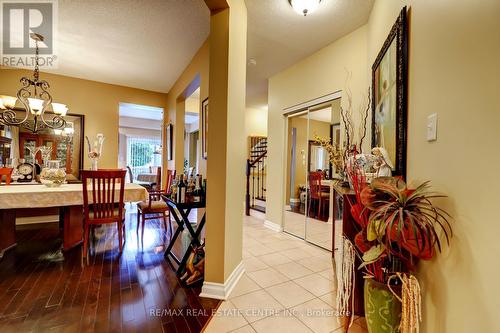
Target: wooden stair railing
<point>256,173</point>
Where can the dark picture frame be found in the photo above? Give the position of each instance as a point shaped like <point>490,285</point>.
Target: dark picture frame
<point>390,99</point>
<point>204,128</point>
<point>169,131</point>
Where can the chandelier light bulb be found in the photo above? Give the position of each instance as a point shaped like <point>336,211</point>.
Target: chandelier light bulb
<point>36,105</point>
<point>7,102</point>
<point>304,7</point>
<point>59,109</point>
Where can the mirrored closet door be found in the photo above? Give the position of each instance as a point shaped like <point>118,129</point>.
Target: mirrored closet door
<point>296,182</point>
<point>309,184</point>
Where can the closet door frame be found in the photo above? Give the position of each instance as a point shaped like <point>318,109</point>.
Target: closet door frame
<point>289,112</point>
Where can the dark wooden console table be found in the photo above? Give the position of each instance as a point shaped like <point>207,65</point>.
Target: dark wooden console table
<point>342,208</point>
<point>180,213</point>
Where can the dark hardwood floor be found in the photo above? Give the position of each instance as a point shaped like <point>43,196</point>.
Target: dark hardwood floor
<point>136,291</point>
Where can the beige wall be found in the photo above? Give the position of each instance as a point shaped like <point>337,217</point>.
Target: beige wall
<point>97,101</point>
<point>322,73</point>
<point>193,104</point>
<point>226,144</point>
<point>454,71</point>
<point>176,104</point>
<point>255,122</point>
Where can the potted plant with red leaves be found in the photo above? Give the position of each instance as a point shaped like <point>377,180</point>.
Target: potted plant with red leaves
<point>399,226</point>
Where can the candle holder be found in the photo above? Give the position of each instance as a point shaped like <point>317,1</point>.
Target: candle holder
<point>95,150</point>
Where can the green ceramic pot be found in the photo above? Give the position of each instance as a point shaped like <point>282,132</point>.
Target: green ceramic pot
<point>382,308</point>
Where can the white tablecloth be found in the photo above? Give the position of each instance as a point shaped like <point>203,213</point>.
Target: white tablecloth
<point>40,196</point>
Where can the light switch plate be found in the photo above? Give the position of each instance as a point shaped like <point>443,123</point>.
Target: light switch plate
<point>432,127</point>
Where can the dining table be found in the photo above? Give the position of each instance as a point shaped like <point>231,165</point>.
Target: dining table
<point>16,199</point>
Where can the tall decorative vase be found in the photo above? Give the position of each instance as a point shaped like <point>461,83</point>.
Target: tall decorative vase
<point>94,164</point>
<point>95,150</point>
<point>382,308</point>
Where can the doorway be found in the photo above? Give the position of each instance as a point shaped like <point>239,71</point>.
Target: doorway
<point>192,152</point>
<point>308,212</point>
<point>140,140</point>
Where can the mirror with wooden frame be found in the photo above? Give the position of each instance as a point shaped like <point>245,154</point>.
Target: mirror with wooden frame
<point>67,144</point>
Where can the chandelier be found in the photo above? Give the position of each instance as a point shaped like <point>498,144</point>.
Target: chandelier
<point>34,99</point>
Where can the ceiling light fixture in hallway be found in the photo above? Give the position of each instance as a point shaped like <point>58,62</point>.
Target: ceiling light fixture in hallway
<point>304,6</point>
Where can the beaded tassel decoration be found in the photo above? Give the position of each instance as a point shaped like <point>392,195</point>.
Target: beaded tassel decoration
<point>411,312</point>
<point>346,281</point>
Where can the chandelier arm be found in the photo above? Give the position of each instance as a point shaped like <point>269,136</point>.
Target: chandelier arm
<point>9,116</point>
<point>57,121</point>
<point>28,127</point>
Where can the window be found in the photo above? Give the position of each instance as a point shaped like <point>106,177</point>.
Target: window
<point>142,153</point>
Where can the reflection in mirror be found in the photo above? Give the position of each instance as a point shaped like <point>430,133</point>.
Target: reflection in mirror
<point>324,121</point>
<point>296,184</point>
<point>318,158</point>
<point>66,144</point>
<point>309,191</point>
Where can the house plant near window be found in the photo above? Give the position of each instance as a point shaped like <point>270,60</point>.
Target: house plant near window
<point>398,227</point>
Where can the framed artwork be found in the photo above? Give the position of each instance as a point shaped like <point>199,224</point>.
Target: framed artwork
<point>170,144</point>
<point>389,91</point>
<point>204,127</point>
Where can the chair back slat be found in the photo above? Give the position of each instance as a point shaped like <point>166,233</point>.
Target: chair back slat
<point>315,184</point>
<point>103,194</point>
<point>158,179</point>
<point>170,179</point>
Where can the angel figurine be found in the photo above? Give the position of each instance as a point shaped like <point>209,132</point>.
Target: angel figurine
<point>383,163</point>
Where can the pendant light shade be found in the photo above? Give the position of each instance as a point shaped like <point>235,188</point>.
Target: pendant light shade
<point>304,7</point>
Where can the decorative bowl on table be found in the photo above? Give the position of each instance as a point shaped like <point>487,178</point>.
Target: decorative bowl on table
<point>53,175</point>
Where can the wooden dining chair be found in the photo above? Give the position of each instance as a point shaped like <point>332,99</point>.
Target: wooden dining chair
<point>130,174</point>
<point>106,204</point>
<point>155,207</point>
<point>7,173</point>
<point>316,193</point>
<point>157,185</point>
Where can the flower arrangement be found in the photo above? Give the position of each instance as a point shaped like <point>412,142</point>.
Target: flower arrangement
<point>398,226</point>
<point>335,153</point>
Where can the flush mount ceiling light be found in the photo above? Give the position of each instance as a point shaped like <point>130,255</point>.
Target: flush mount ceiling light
<point>304,7</point>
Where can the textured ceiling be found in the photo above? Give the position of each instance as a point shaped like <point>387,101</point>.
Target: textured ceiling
<point>148,43</point>
<point>137,43</point>
<point>278,37</point>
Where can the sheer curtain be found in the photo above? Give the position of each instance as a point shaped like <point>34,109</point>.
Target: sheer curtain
<point>141,153</point>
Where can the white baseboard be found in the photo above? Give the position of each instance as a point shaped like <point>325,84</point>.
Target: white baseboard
<point>273,226</point>
<point>257,214</point>
<point>222,290</point>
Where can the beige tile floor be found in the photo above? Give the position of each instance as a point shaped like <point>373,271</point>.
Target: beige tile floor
<point>288,286</point>
<point>317,232</point>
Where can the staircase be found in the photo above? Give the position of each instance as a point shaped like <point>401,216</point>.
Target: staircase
<point>256,175</point>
